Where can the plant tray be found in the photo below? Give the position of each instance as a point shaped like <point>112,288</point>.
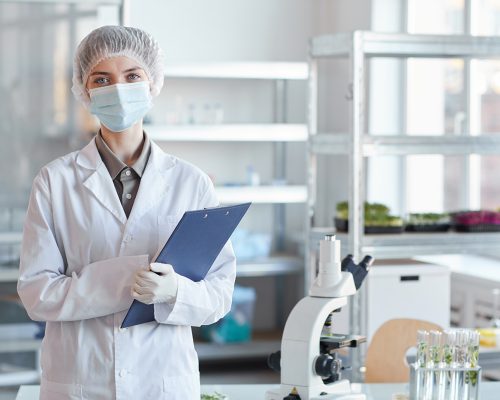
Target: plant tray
<point>342,225</point>
<point>477,228</point>
<point>427,227</point>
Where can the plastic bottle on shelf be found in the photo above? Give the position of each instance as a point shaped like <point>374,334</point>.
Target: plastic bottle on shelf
<point>191,114</point>
<point>177,115</point>
<point>253,178</point>
<point>218,113</point>
<point>207,117</point>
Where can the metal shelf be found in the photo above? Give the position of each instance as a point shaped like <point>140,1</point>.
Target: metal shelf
<point>14,346</point>
<point>18,377</point>
<point>375,145</point>
<point>375,44</point>
<point>236,351</point>
<point>272,266</point>
<point>240,70</point>
<point>262,194</point>
<point>407,245</point>
<point>11,375</point>
<point>229,133</point>
<point>11,237</point>
<point>9,274</point>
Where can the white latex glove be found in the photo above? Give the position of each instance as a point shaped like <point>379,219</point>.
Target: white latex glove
<point>156,285</point>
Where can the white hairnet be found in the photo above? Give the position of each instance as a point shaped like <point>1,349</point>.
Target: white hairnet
<point>114,41</point>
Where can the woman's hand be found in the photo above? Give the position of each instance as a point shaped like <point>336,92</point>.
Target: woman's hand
<point>157,285</point>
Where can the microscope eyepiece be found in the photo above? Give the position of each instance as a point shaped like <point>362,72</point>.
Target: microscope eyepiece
<point>367,262</point>
<point>346,261</point>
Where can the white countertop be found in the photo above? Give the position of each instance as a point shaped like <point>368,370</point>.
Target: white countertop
<point>468,264</point>
<point>378,391</point>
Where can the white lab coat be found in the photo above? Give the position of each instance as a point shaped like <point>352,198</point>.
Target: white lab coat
<point>78,259</point>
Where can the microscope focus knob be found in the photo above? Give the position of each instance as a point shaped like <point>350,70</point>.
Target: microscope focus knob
<point>327,366</point>
<point>274,361</point>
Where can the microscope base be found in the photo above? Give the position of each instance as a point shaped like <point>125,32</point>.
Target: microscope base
<point>271,395</point>
<point>343,389</point>
<point>353,396</point>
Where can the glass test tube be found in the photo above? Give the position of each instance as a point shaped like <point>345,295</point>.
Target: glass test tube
<point>449,361</point>
<point>462,344</point>
<point>421,361</point>
<point>473,348</point>
<point>422,345</point>
<point>471,389</point>
<point>434,384</point>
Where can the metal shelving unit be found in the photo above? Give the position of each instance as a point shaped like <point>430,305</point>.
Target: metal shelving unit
<point>358,47</point>
<point>277,134</point>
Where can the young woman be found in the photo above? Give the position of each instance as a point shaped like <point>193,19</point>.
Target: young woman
<point>95,219</point>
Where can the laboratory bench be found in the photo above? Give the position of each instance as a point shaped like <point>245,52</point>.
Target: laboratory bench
<point>374,391</point>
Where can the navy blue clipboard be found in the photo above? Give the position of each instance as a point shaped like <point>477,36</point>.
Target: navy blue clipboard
<point>192,248</point>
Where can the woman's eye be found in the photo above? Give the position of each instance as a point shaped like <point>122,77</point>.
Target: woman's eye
<point>101,81</point>
<point>134,77</point>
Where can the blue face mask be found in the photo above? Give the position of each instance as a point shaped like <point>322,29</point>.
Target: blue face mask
<point>120,106</point>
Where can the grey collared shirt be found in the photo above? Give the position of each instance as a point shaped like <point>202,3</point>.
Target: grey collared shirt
<point>126,179</point>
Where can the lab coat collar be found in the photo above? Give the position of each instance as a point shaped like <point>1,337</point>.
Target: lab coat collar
<point>154,183</point>
<point>99,181</point>
<point>152,188</point>
<point>89,157</point>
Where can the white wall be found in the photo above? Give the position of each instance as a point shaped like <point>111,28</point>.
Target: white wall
<point>227,30</point>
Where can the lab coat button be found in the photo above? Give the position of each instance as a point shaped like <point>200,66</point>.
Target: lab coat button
<point>122,330</point>
<point>122,373</point>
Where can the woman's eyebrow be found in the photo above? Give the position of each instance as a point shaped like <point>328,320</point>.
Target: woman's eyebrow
<point>99,73</point>
<point>132,69</point>
<point>108,73</point>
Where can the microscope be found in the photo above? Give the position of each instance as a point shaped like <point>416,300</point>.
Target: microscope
<point>308,362</point>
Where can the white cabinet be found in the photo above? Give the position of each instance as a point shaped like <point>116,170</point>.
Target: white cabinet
<point>418,291</point>
<point>473,279</point>
<point>403,289</point>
